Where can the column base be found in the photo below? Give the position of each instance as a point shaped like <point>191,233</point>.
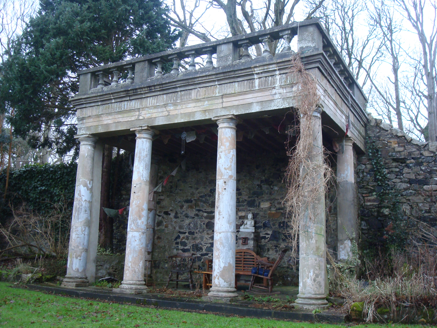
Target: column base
<point>131,287</point>
<point>74,282</point>
<point>311,302</point>
<point>222,293</point>
<point>344,250</point>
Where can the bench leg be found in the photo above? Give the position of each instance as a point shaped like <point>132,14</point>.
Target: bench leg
<point>168,281</point>
<point>252,281</point>
<point>191,280</point>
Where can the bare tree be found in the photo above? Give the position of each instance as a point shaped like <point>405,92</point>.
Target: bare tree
<point>345,21</point>
<point>188,19</point>
<point>382,19</point>
<point>415,102</point>
<point>242,17</point>
<point>416,12</point>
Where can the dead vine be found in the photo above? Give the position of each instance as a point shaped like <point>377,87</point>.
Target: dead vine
<point>305,167</point>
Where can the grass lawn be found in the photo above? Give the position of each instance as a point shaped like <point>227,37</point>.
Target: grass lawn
<point>25,308</point>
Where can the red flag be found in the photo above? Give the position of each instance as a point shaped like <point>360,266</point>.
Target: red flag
<point>166,180</point>
<point>121,210</point>
<point>347,124</point>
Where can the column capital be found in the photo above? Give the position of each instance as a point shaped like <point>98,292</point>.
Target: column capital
<point>318,111</point>
<point>347,141</point>
<point>229,120</point>
<point>143,132</point>
<point>86,139</point>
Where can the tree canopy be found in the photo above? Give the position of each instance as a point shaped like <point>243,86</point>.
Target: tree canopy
<point>40,72</point>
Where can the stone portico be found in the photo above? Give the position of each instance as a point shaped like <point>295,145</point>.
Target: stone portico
<point>225,93</point>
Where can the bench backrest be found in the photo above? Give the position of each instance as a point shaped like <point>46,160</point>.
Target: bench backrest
<point>245,260</point>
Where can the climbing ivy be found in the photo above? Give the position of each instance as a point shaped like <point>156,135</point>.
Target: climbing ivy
<point>389,205</point>
<point>39,187</point>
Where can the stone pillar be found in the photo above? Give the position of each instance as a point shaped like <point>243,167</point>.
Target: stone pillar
<point>313,282</point>
<point>309,39</point>
<point>81,219</point>
<point>150,224</point>
<point>95,213</point>
<point>346,209</point>
<point>223,276</point>
<point>134,265</point>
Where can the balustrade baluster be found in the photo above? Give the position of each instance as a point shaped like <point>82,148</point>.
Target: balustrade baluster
<point>101,83</point>
<point>192,66</point>
<point>245,44</point>
<point>265,41</point>
<point>209,52</point>
<point>287,37</point>
<point>130,74</point>
<point>175,68</point>
<point>115,76</point>
<point>158,63</point>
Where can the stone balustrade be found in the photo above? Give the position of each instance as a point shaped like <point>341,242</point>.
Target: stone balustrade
<point>176,63</point>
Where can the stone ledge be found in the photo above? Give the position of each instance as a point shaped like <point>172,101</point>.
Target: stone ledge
<point>432,147</point>
<point>216,308</point>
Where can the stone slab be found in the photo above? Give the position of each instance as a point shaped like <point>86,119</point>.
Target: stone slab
<point>216,308</point>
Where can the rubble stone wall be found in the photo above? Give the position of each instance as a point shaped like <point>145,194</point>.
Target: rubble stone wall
<point>185,208</point>
<point>411,176</point>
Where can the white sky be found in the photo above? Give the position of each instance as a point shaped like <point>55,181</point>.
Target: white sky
<point>214,23</point>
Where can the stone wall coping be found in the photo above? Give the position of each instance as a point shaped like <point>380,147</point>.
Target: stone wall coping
<point>432,147</point>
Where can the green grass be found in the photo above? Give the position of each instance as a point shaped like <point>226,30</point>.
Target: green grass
<point>25,308</point>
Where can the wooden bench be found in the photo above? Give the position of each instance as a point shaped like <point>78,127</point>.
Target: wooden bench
<point>245,260</point>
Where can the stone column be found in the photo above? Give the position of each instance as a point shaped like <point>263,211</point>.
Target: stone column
<point>150,224</point>
<point>95,213</point>
<point>313,283</point>
<point>223,276</point>
<point>346,210</point>
<point>134,264</point>
<point>81,219</point>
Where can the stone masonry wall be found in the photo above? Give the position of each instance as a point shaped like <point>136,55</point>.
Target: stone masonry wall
<point>185,208</point>
<point>411,173</point>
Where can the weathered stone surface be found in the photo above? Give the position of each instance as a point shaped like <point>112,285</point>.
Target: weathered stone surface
<point>411,167</point>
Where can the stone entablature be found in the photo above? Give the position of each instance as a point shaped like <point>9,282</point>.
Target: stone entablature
<point>234,83</point>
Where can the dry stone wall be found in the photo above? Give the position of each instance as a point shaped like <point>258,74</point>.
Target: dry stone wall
<point>408,171</point>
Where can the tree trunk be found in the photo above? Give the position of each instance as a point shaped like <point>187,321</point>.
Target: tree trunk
<point>116,174</point>
<point>2,116</point>
<point>106,222</point>
<point>9,163</point>
<point>397,93</point>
